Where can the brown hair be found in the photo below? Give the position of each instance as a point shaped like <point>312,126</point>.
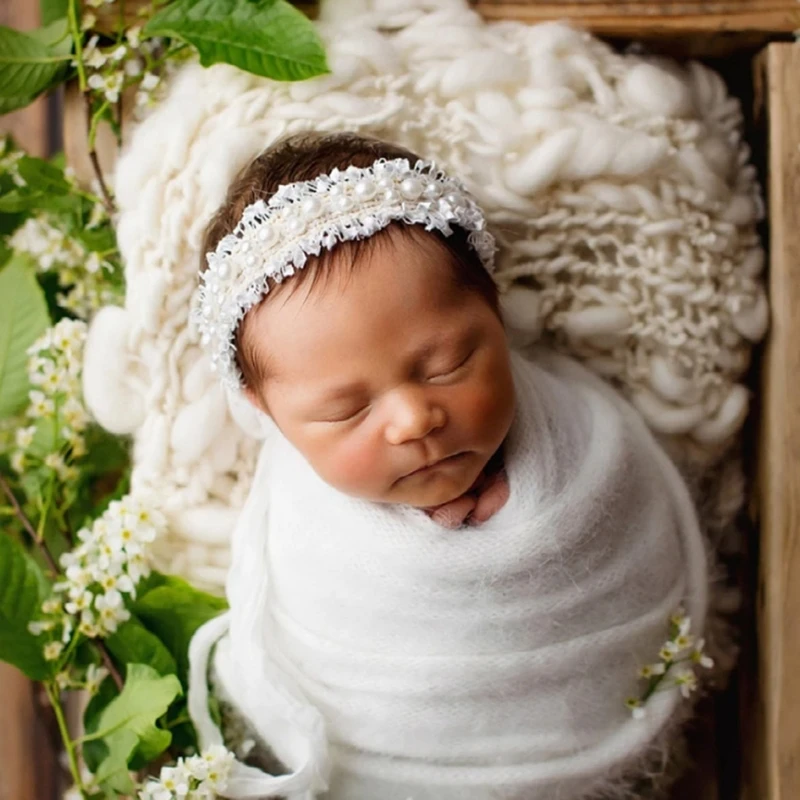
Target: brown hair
<point>306,156</point>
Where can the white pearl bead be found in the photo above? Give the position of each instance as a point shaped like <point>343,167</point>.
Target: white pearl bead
<point>297,225</point>
<point>365,189</point>
<point>250,261</point>
<point>265,234</point>
<point>342,203</point>
<point>205,340</point>
<point>432,191</point>
<point>336,191</point>
<point>390,196</point>
<point>310,206</point>
<point>453,199</point>
<point>385,183</point>
<point>245,246</point>
<point>411,188</point>
<point>223,270</point>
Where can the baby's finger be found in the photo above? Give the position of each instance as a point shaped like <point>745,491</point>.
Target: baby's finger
<point>453,514</point>
<point>492,500</point>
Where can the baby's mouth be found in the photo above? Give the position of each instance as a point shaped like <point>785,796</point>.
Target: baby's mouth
<point>442,462</point>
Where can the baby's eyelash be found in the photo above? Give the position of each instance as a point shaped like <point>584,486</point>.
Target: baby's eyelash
<point>346,418</point>
<point>451,370</point>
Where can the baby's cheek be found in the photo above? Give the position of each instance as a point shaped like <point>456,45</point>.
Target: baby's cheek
<point>483,408</point>
<point>355,467</point>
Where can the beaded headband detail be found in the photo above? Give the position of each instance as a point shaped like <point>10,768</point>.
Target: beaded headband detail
<point>274,239</point>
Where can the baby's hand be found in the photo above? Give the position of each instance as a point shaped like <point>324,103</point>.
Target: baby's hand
<point>494,495</point>
<point>454,513</point>
<point>483,501</point>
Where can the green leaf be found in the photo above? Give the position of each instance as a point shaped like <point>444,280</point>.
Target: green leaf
<point>133,643</point>
<point>55,35</point>
<point>41,176</point>
<point>27,68</point>
<point>174,611</point>
<point>23,318</point>
<point>52,10</point>
<point>22,590</point>
<point>265,37</point>
<point>129,721</point>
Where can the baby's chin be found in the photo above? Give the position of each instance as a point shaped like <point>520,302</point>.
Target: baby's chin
<point>433,491</point>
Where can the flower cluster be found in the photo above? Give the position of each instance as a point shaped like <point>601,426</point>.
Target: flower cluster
<point>202,776</point>
<point>55,437</point>
<point>128,62</point>
<point>678,657</point>
<point>82,272</point>
<point>107,564</point>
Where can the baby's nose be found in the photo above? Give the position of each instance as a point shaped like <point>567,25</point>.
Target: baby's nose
<point>413,416</point>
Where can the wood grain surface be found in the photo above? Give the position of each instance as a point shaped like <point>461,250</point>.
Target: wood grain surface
<point>778,705</point>
<point>643,17</point>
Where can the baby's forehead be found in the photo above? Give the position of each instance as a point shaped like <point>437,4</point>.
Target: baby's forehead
<point>357,301</point>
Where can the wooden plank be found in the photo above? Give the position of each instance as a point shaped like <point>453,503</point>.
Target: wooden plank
<point>29,767</point>
<point>646,18</point>
<point>779,447</point>
<point>28,126</point>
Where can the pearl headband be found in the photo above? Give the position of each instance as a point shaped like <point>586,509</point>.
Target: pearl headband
<point>274,239</point>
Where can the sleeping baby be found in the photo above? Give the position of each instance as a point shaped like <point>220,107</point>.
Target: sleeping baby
<point>461,573</point>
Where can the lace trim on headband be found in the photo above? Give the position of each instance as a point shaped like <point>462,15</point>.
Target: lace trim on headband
<point>274,239</point>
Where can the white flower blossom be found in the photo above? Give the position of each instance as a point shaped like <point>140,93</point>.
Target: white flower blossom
<point>133,67</point>
<point>18,461</point>
<point>88,21</point>
<point>150,81</point>
<point>205,775</point>
<point>119,53</point>
<point>24,437</point>
<point>52,650</point>
<point>113,86</point>
<point>94,677</point>
<point>133,36</point>
<point>40,626</point>
<point>93,57</point>
<point>51,606</point>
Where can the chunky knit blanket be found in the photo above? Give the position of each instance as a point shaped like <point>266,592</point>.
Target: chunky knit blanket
<point>617,185</point>
<point>368,644</point>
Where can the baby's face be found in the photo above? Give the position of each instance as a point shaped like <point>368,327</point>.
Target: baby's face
<point>394,383</point>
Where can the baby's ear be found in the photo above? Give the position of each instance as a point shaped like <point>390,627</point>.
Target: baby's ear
<point>255,399</point>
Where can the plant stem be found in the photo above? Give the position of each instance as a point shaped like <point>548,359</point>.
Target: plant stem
<point>69,745</point>
<point>26,523</point>
<point>77,37</point>
<point>109,664</point>
<point>108,202</point>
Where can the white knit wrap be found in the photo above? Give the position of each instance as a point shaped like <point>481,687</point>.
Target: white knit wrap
<point>487,662</point>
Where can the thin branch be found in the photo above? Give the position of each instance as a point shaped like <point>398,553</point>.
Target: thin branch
<point>109,664</point>
<point>26,523</point>
<point>108,201</point>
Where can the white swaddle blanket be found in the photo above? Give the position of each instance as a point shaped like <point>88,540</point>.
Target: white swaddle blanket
<point>391,658</point>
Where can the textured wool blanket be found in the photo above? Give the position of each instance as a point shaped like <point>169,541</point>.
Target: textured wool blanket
<point>385,657</point>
